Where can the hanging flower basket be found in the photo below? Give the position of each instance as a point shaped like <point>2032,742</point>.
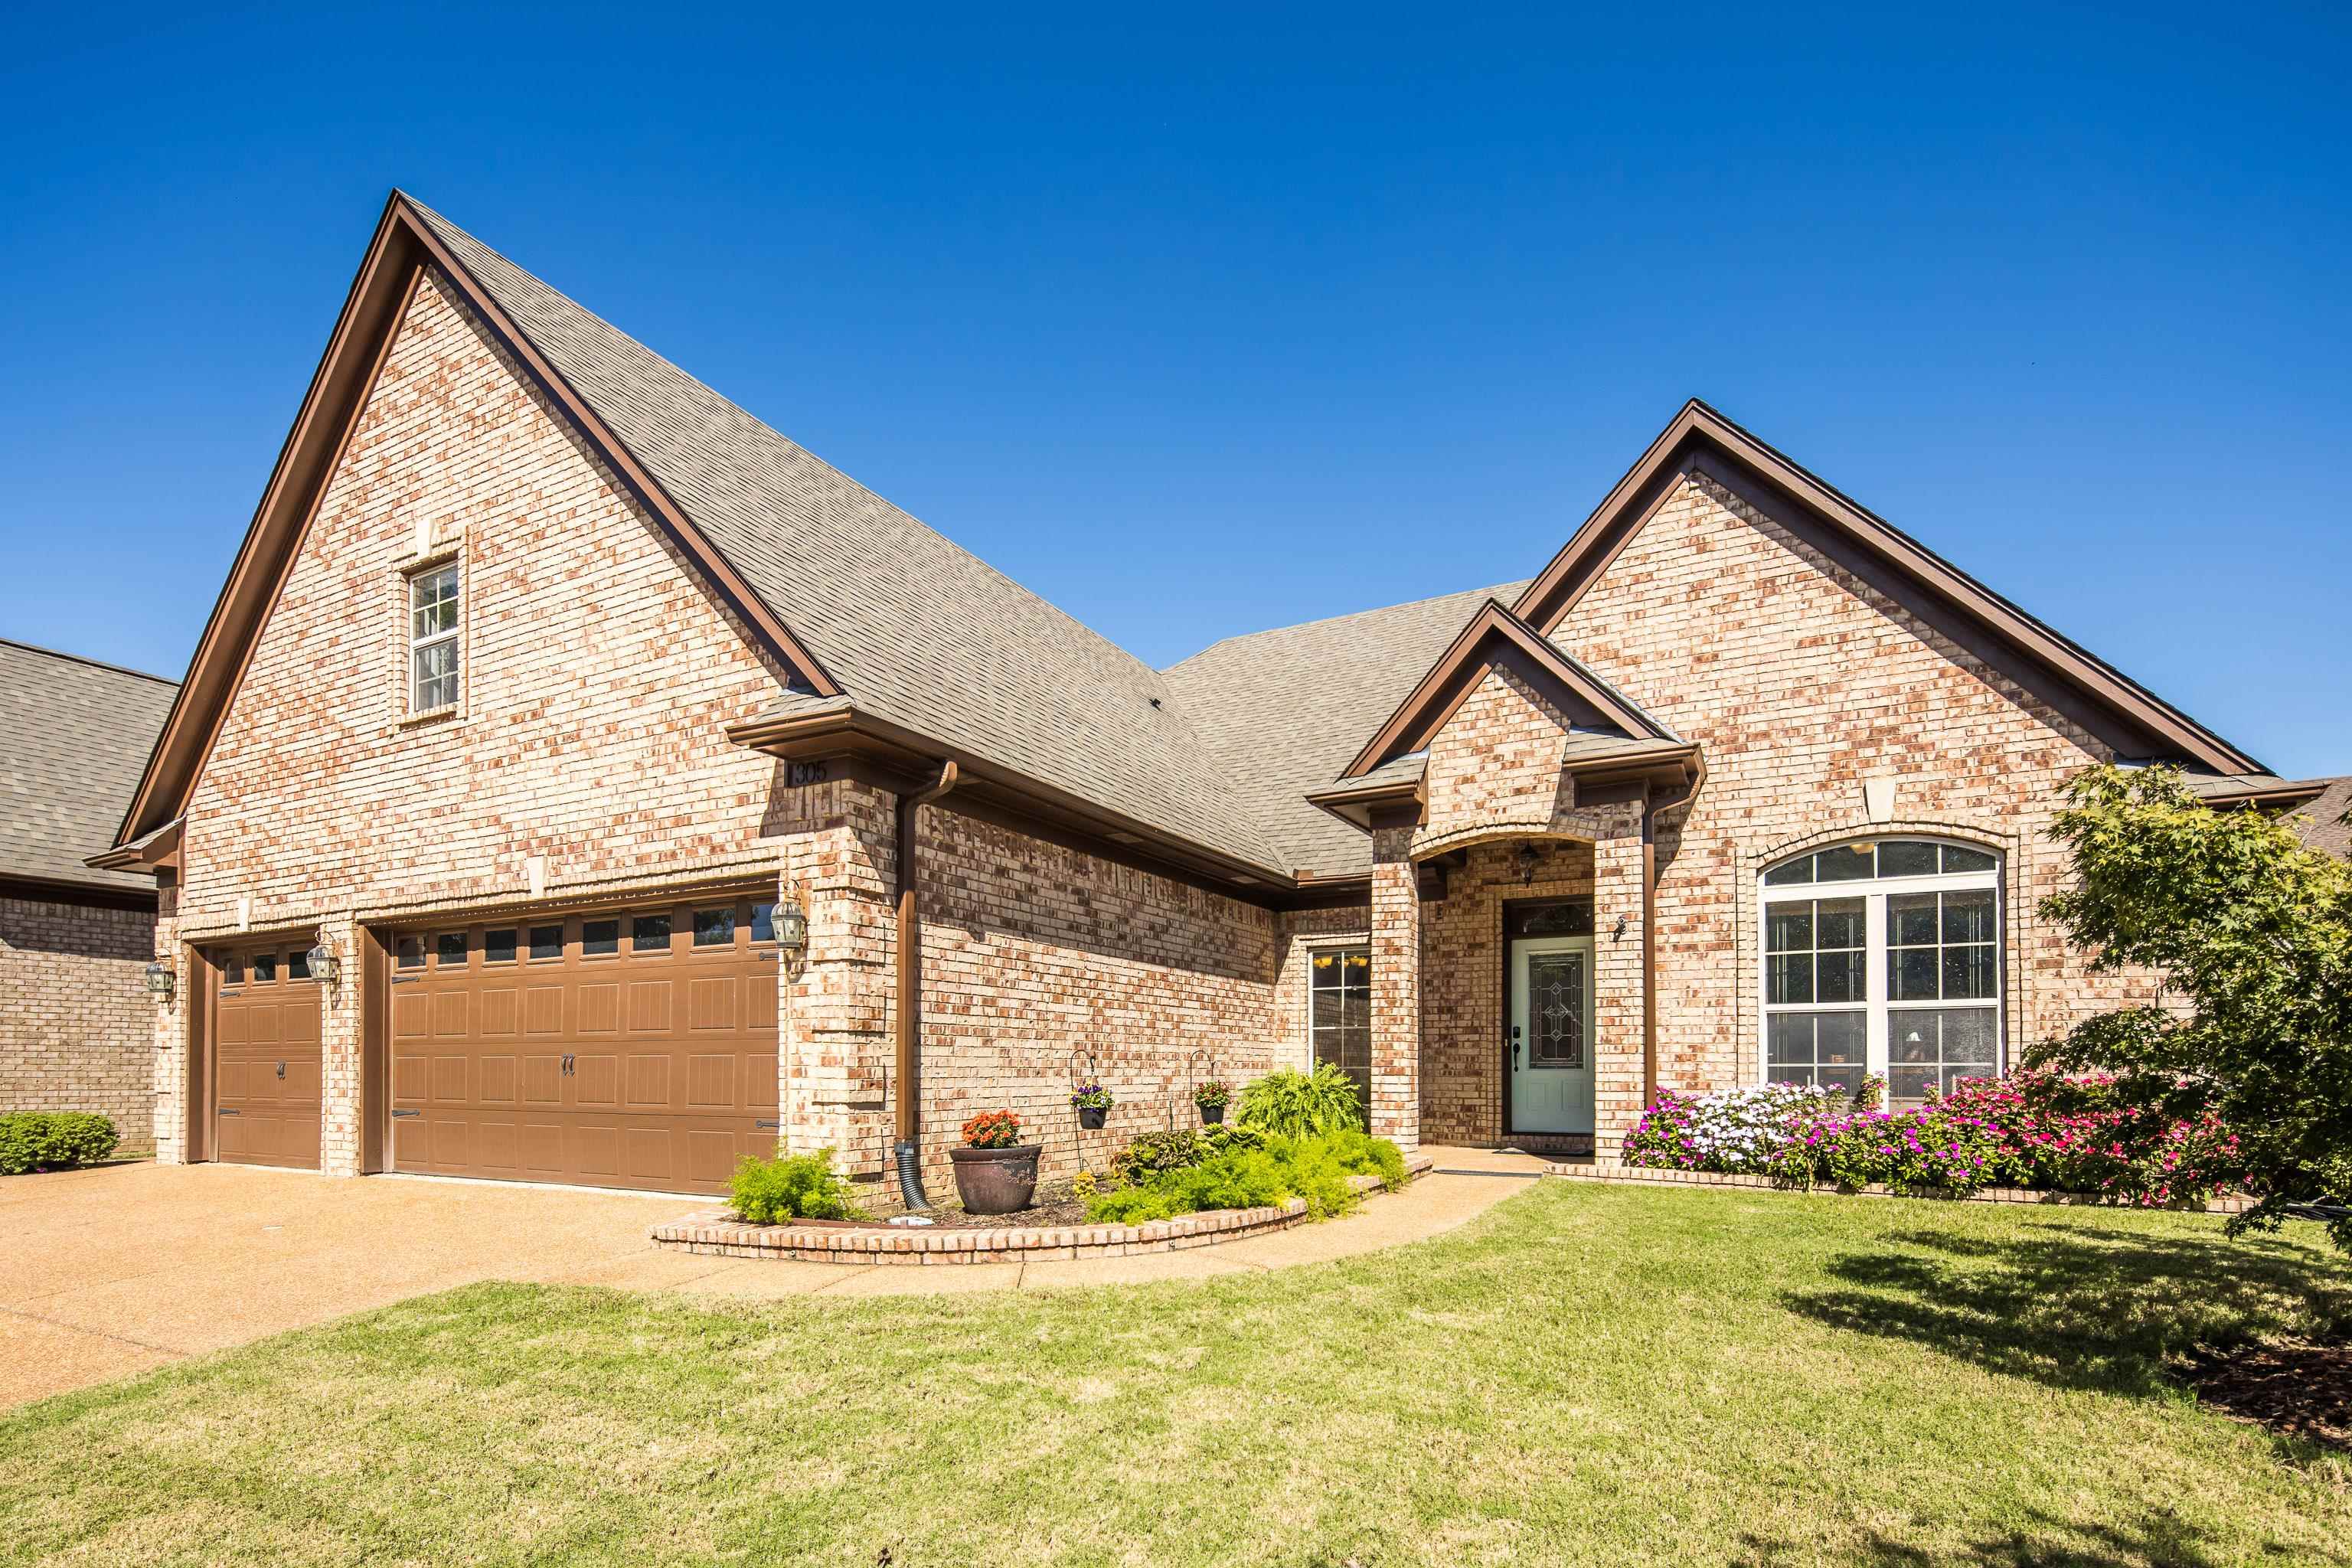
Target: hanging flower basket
<point>1210,1099</point>
<point>1092,1102</point>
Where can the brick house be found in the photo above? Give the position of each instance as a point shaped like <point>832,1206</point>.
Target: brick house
<point>652,792</point>
<point>77,1026</point>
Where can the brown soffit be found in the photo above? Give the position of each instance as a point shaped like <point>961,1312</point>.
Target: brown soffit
<point>403,245</point>
<point>1546,600</point>
<point>849,742</point>
<point>157,850</point>
<point>1495,634</point>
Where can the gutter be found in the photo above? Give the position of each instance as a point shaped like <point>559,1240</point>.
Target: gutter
<point>909,1073</point>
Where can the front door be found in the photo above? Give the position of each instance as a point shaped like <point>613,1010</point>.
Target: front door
<point>1551,1042</point>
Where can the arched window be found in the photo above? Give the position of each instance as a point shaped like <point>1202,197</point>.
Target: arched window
<point>1883,957</point>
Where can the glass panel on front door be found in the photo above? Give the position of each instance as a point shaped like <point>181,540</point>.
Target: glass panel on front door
<point>1556,981</point>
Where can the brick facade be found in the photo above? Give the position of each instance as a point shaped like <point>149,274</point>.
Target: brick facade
<point>76,1021</point>
<point>587,758</point>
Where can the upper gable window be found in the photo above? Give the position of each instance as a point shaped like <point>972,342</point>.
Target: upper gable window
<point>433,639</point>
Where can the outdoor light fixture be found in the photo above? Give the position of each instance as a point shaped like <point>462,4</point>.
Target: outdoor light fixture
<point>1527,856</point>
<point>160,981</point>
<point>792,933</point>
<point>324,965</point>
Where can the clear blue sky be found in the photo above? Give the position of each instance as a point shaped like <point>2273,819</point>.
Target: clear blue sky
<point>1215,323</point>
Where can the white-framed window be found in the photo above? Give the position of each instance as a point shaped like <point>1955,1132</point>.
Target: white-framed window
<point>1883,957</point>
<point>433,631</point>
<point>1340,1012</point>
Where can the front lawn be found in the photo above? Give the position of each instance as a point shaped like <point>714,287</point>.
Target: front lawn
<point>1587,1375</point>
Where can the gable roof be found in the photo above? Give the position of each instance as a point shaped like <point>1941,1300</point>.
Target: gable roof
<point>1281,711</point>
<point>2002,632</point>
<point>74,734</point>
<point>854,598</point>
<point>1494,636</point>
<point>2320,821</point>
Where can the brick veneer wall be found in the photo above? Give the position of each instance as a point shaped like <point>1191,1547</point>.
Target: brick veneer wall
<point>1032,952</point>
<point>76,1021</point>
<point>1801,681</point>
<point>598,679</point>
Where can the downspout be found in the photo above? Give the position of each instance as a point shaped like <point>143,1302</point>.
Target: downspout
<point>908,1075</point>
<point>1650,811</point>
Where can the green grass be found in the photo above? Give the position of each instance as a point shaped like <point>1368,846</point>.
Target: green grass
<point>1587,1375</point>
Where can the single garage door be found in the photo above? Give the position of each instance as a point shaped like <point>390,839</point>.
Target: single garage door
<point>634,1048</point>
<point>266,1058</point>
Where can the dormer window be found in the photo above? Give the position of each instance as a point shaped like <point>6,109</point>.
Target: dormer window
<point>433,639</point>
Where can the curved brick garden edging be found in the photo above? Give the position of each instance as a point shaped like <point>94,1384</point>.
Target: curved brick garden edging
<point>1659,1175</point>
<point>721,1234</point>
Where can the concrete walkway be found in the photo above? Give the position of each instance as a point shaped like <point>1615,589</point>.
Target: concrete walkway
<point>111,1271</point>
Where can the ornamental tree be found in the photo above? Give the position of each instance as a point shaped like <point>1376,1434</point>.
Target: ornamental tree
<point>2252,934</point>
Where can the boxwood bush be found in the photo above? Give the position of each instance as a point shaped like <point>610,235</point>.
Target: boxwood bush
<point>53,1140</point>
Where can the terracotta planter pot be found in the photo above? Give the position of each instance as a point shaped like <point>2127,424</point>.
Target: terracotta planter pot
<point>1212,1114</point>
<point>996,1180</point>
<point>1091,1117</point>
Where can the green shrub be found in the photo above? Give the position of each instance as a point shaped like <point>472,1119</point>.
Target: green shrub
<point>1247,1170</point>
<point>796,1186</point>
<point>53,1140</point>
<point>1303,1105</point>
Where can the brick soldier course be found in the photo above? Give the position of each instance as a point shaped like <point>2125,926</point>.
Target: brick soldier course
<point>686,662</point>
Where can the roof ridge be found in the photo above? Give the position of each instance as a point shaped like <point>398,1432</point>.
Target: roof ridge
<point>85,658</point>
<point>1490,592</point>
<point>835,469</point>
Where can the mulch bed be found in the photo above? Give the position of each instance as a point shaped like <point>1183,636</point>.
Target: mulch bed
<point>2301,1390</point>
<point>1053,1207</point>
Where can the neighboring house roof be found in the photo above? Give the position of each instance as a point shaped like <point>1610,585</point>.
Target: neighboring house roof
<point>74,734</point>
<point>1282,711</point>
<point>2321,821</point>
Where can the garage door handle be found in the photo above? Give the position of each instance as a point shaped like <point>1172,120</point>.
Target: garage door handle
<point>281,1069</point>
<point>399,1113</point>
<point>224,1111</point>
<point>567,1067</point>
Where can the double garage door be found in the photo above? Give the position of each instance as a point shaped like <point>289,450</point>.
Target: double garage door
<point>630,1049</point>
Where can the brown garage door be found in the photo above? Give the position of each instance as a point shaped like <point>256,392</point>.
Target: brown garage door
<point>266,1058</point>
<point>634,1048</point>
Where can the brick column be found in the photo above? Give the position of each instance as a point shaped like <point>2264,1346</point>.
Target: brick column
<point>171,1053</point>
<point>339,1014</point>
<point>1396,1110</point>
<point>1619,981</point>
<point>834,1021</point>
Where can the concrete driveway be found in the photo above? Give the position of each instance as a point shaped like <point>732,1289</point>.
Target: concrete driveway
<point>108,1272</point>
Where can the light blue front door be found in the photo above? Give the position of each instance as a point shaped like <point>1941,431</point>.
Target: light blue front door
<point>1551,1035</point>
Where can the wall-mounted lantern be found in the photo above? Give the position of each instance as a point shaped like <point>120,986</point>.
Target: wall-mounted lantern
<point>324,965</point>
<point>792,933</point>
<point>160,981</point>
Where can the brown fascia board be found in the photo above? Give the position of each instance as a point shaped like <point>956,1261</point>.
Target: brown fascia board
<point>2281,796</point>
<point>89,895</point>
<point>1554,591</point>
<point>893,757</point>
<point>155,851</point>
<point>1460,667</point>
<point>402,246</point>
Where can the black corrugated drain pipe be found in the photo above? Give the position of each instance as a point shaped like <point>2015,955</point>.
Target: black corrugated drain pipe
<point>909,1073</point>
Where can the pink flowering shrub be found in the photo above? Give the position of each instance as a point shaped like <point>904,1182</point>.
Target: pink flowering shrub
<point>2029,1130</point>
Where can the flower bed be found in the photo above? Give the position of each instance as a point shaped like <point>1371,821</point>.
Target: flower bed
<point>2029,1132</point>
<point>721,1234</point>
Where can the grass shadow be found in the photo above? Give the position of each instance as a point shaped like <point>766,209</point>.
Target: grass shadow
<point>2082,1307</point>
<point>2159,1541</point>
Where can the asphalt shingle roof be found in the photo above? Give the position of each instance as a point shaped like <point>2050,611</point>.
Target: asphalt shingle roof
<point>1282,711</point>
<point>74,737</point>
<point>914,628</point>
<point>2321,822</point>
